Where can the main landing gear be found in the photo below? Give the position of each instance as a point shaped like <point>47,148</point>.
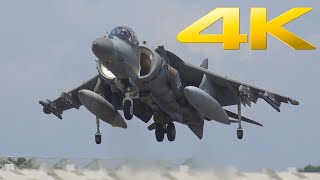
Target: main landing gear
<point>239,130</point>
<point>168,129</point>
<point>159,132</point>
<point>97,136</point>
<point>171,132</point>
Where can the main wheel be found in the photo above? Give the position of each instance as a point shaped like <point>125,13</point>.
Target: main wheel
<point>159,132</point>
<point>127,110</point>
<point>97,138</point>
<point>171,132</point>
<point>240,133</point>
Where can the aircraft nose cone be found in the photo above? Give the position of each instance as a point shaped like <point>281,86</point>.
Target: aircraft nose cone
<point>102,47</point>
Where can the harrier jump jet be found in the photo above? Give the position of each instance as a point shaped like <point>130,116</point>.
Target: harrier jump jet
<point>146,83</point>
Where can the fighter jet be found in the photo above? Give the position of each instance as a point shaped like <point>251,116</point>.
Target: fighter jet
<point>155,83</point>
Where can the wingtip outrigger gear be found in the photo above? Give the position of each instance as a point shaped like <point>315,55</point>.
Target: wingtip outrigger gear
<point>97,136</point>
<point>50,107</point>
<point>239,120</point>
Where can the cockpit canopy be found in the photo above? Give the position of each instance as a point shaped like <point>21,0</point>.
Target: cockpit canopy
<point>125,33</point>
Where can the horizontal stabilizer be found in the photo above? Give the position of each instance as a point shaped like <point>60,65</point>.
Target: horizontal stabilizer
<point>235,116</point>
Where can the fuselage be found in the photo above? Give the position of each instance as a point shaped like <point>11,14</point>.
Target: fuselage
<point>148,72</point>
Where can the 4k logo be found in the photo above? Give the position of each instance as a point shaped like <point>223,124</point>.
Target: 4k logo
<point>260,27</point>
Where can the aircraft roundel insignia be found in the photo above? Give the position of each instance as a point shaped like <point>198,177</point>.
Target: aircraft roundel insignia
<point>171,71</point>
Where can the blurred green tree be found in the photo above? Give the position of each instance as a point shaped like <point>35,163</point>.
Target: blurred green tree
<point>310,168</point>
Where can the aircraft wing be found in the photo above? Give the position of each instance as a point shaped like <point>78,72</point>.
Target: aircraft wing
<point>67,100</point>
<point>228,91</point>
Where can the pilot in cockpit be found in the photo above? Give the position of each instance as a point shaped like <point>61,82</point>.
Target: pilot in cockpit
<point>125,34</point>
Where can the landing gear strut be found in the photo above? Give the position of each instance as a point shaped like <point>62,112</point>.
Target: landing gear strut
<point>97,136</point>
<point>128,109</point>
<point>128,103</point>
<point>239,130</point>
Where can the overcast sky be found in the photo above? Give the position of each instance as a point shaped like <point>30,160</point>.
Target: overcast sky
<point>45,48</point>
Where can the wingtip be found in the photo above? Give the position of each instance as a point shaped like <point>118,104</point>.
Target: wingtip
<point>41,102</point>
<point>50,109</point>
<point>294,102</point>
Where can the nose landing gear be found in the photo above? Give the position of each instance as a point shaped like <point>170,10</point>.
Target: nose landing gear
<point>130,94</point>
<point>128,109</point>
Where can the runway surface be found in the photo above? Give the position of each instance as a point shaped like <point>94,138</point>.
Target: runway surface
<point>97,169</point>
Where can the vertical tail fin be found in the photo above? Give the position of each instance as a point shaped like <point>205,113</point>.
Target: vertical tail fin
<point>204,63</point>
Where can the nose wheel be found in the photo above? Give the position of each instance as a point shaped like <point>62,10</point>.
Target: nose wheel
<point>97,136</point>
<point>128,109</point>
<point>239,130</point>
<point>130,94</point>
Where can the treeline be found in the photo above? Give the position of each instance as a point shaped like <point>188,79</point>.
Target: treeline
<point>310,168</point>
<point>33,163</point>
<point>21,162</point>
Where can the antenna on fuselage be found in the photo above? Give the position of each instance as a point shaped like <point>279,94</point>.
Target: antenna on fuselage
<point>107,30</point>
